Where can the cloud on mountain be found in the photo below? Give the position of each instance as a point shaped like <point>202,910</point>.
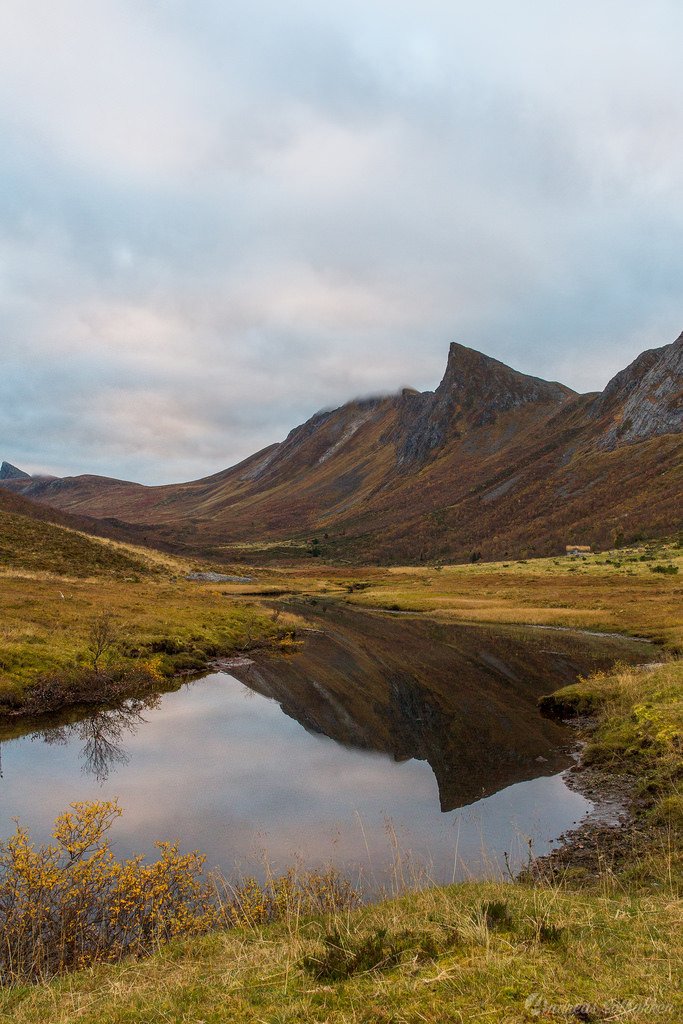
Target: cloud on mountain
<point>215,219</point>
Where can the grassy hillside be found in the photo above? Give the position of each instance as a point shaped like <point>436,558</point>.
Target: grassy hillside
<point>42,547</point>
<point>636,590</point>
<point>61,588</point>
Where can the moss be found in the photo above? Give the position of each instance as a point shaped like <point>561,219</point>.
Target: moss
<point>573,701</point>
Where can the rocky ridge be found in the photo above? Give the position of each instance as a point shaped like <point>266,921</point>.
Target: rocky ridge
<point>645,400</point>
<point>493,461</point>
<point>10,472</point>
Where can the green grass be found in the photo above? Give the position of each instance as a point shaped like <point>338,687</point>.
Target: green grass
<point>45,626</point>
<point>638,731</point>
<point>609,592</point>
<point>635,737</point>
<point>612,953</point>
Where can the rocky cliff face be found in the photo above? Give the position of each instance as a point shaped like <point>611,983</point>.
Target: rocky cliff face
<point>474,392</point>
<point>10,472</point>
<point>643,401</point>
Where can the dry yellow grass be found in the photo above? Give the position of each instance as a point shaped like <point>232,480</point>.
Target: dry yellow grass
<point>45,623</point>
<point>609,592</point>
<point>616,955</point>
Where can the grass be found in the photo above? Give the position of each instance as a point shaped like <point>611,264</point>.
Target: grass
<point>432,956</point>
<point>35,546</point>
<point>613,591</point>
<point>638,731</point>
<point>56,584</point>
<point>46,625</point>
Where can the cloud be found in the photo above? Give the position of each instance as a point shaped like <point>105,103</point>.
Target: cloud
<point>214,222</point>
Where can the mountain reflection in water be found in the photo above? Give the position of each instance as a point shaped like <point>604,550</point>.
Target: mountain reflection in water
<point>463,698</point>
<point>388,706</point>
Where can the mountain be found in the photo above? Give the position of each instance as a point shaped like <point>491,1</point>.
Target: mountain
<point>493,463</point>
<point>10,472</point>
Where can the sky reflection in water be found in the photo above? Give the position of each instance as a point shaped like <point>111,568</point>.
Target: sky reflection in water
<point>222,769</point>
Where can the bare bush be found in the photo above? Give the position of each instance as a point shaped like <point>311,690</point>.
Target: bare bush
<point>103,637</point>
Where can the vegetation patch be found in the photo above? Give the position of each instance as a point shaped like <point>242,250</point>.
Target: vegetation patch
<point>298,947</point>
<point>71,903</point>
<point>89,638</point>
<point>345,954</point>
<point>635,733</point>
<point>424,957</point>
<point>32,544</point>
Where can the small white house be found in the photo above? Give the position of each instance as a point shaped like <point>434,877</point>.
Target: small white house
<point>578,550</point>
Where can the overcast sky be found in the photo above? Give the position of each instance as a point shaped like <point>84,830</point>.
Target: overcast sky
<point>219,217</point>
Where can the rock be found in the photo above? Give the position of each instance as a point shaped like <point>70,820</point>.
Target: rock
<point>10,472</point>
<point>644,400</point>
<point>474,391</point>
<point>217,577</point>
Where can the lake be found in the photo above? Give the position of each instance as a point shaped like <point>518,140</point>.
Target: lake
<point>380,742</point>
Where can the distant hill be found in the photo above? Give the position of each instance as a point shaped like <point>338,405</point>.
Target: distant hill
<point>39,539</point>
<point>494,463</point>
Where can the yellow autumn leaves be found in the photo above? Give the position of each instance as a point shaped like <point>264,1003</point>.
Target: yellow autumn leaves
<point>69,903</point>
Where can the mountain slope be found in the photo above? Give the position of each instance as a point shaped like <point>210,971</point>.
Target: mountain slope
<point>42,540</point>
<point>494,462</point>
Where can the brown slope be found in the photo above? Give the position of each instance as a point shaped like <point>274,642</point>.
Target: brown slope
<point>493,461</point>
<point>336,460</point>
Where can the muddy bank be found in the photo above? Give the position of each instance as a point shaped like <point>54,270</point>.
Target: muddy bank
<point>614,832</point>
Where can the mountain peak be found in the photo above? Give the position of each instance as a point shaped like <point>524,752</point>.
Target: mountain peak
<point>484,386</point>
<point>476,389</point>
<point>10,472</point>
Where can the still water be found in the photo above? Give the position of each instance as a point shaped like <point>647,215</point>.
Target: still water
<point>365,740</point>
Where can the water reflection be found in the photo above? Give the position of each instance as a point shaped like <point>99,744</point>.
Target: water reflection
<point>102,734</point>
<point>99,735</point>
<point>462,698</point>
<point>406,722</point>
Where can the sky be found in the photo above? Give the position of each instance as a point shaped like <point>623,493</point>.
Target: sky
<point>217,218</point>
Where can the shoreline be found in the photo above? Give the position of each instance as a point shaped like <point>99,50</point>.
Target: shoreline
<point>585,851</point>
<point>617,828</point>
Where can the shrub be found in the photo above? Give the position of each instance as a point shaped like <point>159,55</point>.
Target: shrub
<point>345,955</point>
<point>497,915</point>
<point>81,685</point>
<point>70,903</point>
<point>295,895</point>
